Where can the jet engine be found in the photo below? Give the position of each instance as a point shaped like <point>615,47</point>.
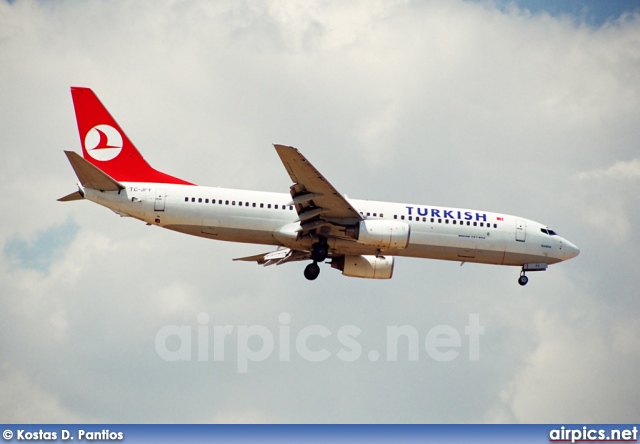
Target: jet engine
<point>380,233</point>
<point>368,267</point>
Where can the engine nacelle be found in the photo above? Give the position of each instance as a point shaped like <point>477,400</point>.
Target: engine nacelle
<point>381,233</point>
<point>368,267</point>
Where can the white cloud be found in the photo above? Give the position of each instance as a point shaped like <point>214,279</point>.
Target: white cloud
<point>24,402</point>
<point>567,374</point>
<point>622,170</point>
<point>602,197</point>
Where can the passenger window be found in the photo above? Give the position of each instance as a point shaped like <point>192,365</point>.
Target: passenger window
<point>206,201</point>
<point>454,222</point>
<point>402,217</point>
<point>268,205</point>
<point>432,220</point>
<point>291,207</point>
<point>375,215</point>
<point>381,215</point>
<point>226,202</point>
<point>193,199</point>
<point>410,217</point>
<point>261,205</point>
<point>200,200</point>
<point>482,224</point>
<point>439,221</point>
<point>253,205</point>
<point>446,221</point>
<point>495,225</point>
<point>395,216</point>
<point>186,199</point>
<point>475,224</point>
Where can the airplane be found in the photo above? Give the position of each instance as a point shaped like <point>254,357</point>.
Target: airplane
<point>313,222</point>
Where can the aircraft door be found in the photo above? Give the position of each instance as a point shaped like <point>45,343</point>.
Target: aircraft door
<point>158,204</point>
<point>521,230</point>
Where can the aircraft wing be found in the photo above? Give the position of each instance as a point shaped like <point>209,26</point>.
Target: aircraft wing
<point>278,257</point>
<point>316,200</point>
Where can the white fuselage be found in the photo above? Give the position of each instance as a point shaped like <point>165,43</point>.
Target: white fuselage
<point>266,218</point>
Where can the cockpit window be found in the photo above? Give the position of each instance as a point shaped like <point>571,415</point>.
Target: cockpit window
<point>548,231</point>
<point>544,230</point>
<point>552,233</point>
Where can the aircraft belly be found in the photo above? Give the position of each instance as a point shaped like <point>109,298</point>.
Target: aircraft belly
<point>455,246</point>
<point>251,236</point>
<point>452,253</point>
<point>511,258</point>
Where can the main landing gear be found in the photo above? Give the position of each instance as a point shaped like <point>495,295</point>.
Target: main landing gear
<point>319,253</point>
<point>522,280</point>
<point>312,271</point>
<point>320,250</point>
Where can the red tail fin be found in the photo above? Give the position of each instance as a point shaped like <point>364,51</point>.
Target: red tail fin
<point>106,146</point>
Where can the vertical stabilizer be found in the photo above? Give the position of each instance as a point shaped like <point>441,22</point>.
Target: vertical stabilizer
<point>107,147</point>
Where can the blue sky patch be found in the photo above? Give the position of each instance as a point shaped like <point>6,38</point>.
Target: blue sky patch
<point>39,253</point>
<point>592,12</point>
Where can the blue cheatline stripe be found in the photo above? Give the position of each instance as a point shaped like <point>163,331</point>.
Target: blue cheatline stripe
<point>184,433</point>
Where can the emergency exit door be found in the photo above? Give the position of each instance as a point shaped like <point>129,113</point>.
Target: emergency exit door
<point>158,204</point>
<point>521,230</point>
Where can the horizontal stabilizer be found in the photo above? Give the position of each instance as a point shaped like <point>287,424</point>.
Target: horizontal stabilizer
<point>91,176</point>
<point>73,196</point>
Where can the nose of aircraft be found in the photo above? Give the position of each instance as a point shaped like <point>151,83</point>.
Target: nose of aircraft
<point>570,250</point>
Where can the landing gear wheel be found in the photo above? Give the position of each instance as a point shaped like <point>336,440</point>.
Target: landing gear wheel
<point>320,251</point>
<point>312,271</point>
<point>522,280</point>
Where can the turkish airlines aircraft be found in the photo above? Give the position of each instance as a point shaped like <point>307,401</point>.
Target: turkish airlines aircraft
<point>312,222</point>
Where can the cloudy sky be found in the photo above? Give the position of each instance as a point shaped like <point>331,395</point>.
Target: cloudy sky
<point>523,108</point>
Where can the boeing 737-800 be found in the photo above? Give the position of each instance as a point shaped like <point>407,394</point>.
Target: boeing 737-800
<point>313,222</point>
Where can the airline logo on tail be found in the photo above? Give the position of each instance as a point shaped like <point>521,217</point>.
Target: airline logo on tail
<point>103,142</point>
<point>106,146</point>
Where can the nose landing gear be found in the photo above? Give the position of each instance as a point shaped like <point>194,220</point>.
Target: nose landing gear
<point>522,280</point>
<point>534,266</point>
